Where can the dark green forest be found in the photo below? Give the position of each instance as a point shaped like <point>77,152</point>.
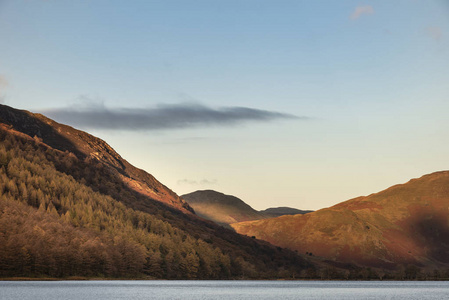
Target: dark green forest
<point>62,215</point>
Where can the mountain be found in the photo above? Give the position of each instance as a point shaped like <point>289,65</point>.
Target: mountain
<point>71,206</point>
<point>226,209</point>
<point>87,147</point>
<point>281,211</point>
<point>220,208</point>
<point>406,224</point>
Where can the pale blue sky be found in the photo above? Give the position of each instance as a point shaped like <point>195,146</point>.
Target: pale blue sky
<point>369,80</point>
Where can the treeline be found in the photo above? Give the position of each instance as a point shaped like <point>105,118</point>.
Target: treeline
<point>64,216</point>
<point>402,272</point>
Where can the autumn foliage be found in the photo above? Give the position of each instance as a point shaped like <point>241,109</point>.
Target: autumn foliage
<point>61,215</point>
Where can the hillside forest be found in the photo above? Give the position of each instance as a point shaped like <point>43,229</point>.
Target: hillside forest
<point>64,216</point>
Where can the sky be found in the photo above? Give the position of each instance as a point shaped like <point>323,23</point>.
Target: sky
<point>280,103</point>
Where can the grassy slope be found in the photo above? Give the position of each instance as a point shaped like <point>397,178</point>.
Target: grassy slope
<point>226,209</point>
<point>220,208</point>
<point>407,223</point>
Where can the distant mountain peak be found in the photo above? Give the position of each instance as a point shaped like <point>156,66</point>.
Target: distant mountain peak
<point>227,209</point>
<point>283,210</point>
<point>220,208</point>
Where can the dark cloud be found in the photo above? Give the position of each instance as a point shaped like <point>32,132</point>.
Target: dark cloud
<point>162,117</point>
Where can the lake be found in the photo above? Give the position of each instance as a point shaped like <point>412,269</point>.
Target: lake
<point>236,290</point>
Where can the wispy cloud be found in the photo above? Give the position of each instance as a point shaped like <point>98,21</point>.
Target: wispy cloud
<point>3,82</point>
<point>186,140</point>
<point>361,10</point>
<point>434,32</point>
<point>3,85</point>
<point>197,182</point>
<point>174,116</point>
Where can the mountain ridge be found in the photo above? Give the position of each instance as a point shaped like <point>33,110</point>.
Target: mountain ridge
<point>227,209</point>
<point>404,224</point>
<point>86,146</point>
<point>220,208</point>
<point>284,210</point>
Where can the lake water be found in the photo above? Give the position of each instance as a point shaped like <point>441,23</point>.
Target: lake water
<point>236,290</point>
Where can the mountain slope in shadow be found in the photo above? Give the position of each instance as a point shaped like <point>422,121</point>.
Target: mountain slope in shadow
<point>404,224</point>
<point>226,209</point>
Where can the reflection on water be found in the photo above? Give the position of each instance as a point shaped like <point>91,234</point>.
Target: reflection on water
<point>202,290</point>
